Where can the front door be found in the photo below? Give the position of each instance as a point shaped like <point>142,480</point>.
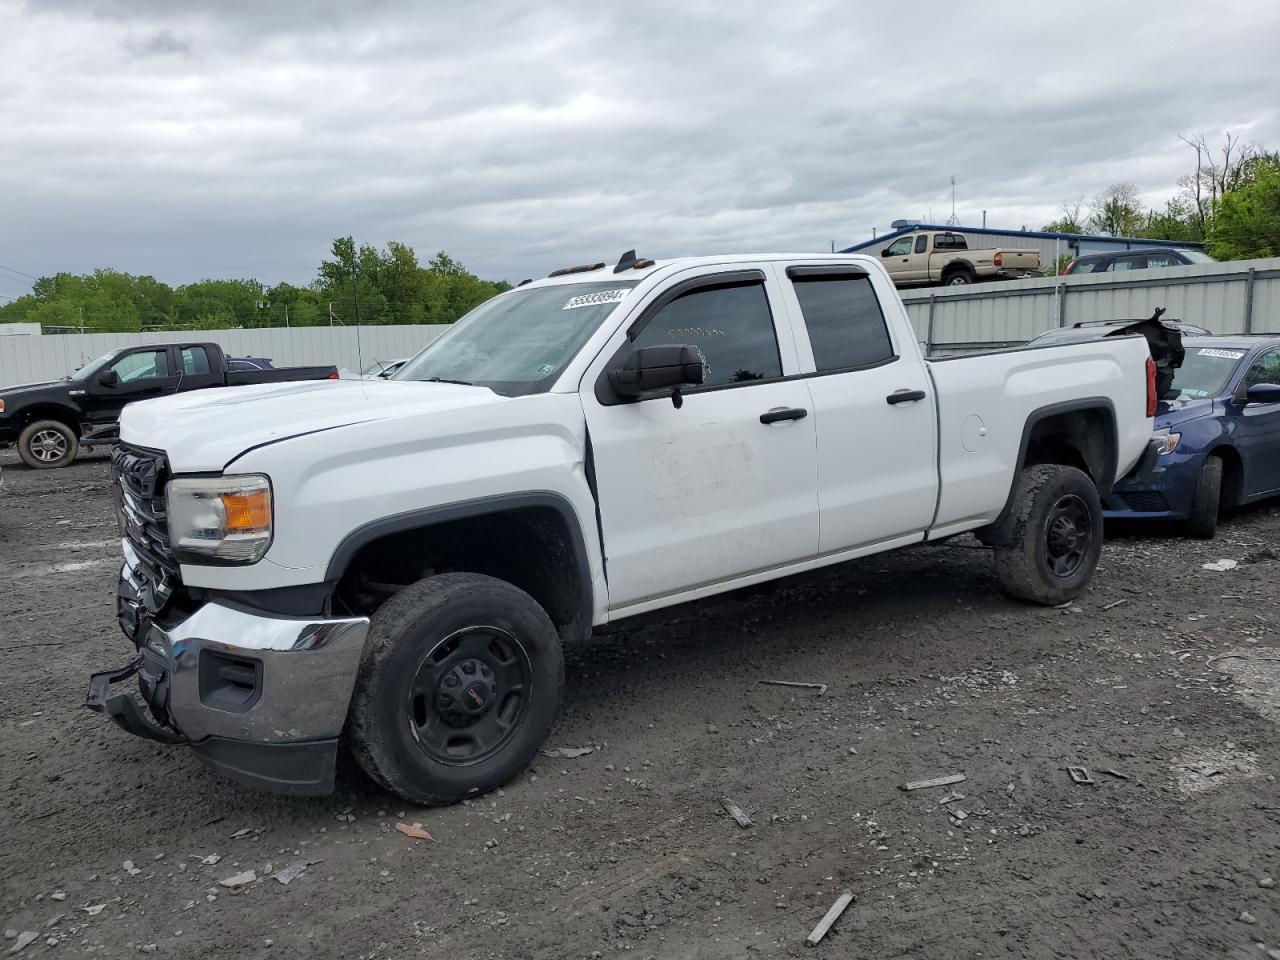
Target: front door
<point>1258,429</point>
<point>725,485</point>
<point>874,409</point>
<point>139,375</point>
<point>897,259</point>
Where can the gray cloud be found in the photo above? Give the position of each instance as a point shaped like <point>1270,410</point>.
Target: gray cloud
<point>520,137</point>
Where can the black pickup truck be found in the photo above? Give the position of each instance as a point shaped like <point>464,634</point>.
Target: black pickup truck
<point>51,421</point>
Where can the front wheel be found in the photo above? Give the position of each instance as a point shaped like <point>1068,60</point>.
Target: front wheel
<point>47,444</point>
<point>1202,521</point>
<point>458,688</point>
<point>1056,538</point>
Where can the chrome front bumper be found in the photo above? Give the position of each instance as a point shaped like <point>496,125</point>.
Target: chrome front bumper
<point>261,698</point>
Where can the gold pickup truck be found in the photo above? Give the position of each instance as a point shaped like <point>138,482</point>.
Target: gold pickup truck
<point>930,258</point>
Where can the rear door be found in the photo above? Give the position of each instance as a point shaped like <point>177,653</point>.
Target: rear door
<point>874,406</point>
<point>1258,430</point>
<point>724,485</point>
<point>198,368</point>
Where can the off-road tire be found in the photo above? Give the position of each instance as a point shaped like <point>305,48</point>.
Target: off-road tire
<point>402,637</point>
<point>1054,506</point>
<point>1206,503</point>
<point>38,445</point>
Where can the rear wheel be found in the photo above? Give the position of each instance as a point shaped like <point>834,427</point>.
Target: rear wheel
<point>958,277</point>
<point>459,686</point>
<point>1056,537</point>
<point>1206,503</point>
<point>47,444</point>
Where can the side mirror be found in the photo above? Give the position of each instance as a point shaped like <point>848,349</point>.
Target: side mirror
<point>1263,393</point>
<point>108,378</point>
<point>885,252</point>
<point>653,370</point>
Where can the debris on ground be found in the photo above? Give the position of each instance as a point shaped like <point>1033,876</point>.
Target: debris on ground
<point>1247,917</point>
<point>1115,603</point>
<point>292,872</point>
<point>935,782</point>
<point>958,815</point>
<point>1220,566</point>
<point>831,917</point>
<point>242,832</point>
<point>1080,775</point>
<point>208,860</point>
<point>130,869</point>
<point>735,811</point>
<point>1267,883</point>
<point>25,939</point>
<point>239,879</point>
<point>414,831</point>
<point>821,688</point>
<point>1115,773</point>
<point>952,797</point>
<point>568,753</point>
<point>95,909</point>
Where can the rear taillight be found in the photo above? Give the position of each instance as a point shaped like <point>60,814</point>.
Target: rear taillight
<point>1151,387</point>
<point>333,376</point>
<point>999,259</point>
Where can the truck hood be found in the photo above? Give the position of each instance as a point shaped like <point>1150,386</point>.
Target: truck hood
<point>1170,413</point>
<point>25,389</point>
<point>205,430</point>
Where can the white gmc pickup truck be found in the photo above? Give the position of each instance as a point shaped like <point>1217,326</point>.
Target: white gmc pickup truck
<point>395,564</point>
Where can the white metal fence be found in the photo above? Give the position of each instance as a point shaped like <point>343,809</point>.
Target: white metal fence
<point>29,359</point>
<point>1241,296</point>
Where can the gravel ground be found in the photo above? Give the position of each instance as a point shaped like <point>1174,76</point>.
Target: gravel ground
<point>626,851</point>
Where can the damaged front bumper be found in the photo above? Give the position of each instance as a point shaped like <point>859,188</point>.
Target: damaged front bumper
<point>261,699</point>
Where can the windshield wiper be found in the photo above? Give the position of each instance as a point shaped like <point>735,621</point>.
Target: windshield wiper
<point>465,383</point>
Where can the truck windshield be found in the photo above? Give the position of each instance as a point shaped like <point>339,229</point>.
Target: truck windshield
<point>519,342</point>
<point>1204,372</point>
<point>92,367</point>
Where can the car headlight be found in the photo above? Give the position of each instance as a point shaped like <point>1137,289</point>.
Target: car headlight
<point>224,519</point>
<point>1167,443</point>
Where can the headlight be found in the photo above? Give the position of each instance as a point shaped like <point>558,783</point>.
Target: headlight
<point>1168,442</point>
<point>226,519</point>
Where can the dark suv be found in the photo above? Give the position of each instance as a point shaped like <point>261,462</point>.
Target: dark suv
<point>1136,260</point>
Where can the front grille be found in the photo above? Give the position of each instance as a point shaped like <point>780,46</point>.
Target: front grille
<point>140,476</point>
<point>1145,501</point>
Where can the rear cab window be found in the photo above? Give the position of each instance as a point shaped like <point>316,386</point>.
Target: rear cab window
<point>842,316</point>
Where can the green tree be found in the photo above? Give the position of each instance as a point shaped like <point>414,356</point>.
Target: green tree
<point>1117,211</point>
<point>1072,219</point>
<point>1247,221</point>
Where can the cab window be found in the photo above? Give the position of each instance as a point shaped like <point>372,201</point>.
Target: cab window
<point>732,326</point>
<point>922,244</point>
<point>843,318</point>
<point>899,248</point>
<point>144,365</point>
<point>195,361</point>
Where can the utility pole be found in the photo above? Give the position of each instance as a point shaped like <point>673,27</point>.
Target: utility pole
<point>833,246</point>
<point>286,315</point>
<point>984,219</point>
<point>82,321</point>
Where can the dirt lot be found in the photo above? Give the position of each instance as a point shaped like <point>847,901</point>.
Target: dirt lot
<point>627,852</point>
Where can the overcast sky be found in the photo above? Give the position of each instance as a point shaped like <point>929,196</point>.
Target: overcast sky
<point>193,139</point>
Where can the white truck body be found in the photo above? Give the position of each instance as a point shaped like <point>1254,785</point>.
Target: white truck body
<point>666,502</point>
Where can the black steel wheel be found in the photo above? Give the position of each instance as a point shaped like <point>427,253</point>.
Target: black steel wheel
<point>458,687</point>
<point>1055,538</point>
<point>1068,536</point>
<point>470,694</point>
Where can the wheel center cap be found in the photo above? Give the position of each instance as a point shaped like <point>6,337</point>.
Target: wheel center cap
<point>466,692</point>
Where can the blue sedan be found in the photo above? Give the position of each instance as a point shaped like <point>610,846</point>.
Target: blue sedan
<point>1220,430</point>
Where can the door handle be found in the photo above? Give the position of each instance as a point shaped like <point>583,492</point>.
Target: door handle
<point>784,413</point>
<point>905,396</point>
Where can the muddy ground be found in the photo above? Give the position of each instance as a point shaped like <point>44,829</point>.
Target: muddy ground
<point>626,851</point>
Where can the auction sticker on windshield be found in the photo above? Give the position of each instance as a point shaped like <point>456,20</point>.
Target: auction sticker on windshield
<point>1224,354</point>
<point>600,296</point>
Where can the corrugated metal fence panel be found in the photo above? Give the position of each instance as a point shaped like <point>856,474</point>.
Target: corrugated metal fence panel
<point>26,359</point>
<point>1213,295</point>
